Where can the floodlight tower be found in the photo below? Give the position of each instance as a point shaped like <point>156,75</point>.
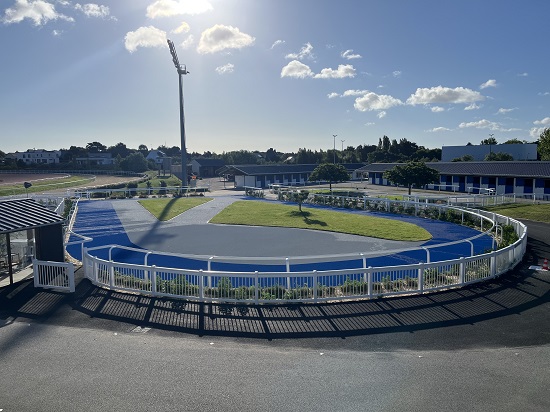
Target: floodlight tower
<point>181,71</point>
<point>334,149</point>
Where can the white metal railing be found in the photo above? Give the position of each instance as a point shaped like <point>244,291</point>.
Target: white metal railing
<point>315,285</point>
<point>53,275</point>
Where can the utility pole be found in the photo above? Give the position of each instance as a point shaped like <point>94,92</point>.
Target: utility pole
<point>342,150</point>
<point>334,149</point>
<point>181,71</point>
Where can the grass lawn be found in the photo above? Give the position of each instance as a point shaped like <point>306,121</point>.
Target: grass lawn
<point>538,213</point>
<point>44,185</point>
<point>267,214</point>
<point>166,209</point>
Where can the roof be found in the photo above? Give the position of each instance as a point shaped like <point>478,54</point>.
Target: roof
<point>274,169</point>
<point>527,169</point>
<point>210,162</point>
<point>22,214</point>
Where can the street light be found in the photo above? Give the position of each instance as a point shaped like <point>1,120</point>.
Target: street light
<point>334,150</point>
<point>181,71</point>
<point>342,150</point>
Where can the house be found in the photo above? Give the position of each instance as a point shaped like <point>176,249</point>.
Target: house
<point>526,151</point>
<point>206,167</point>
<point>282,174</point>
<point>39,156</point>
<point>520,178</point>
<point>96,159</point>
<point>156,156</point>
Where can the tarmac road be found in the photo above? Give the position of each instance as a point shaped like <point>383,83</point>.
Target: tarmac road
<point>482,348</point>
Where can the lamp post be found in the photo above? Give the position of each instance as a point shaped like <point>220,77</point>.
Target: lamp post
<point>181,71</point>
<point>334,149</point>
<point>342,150</point>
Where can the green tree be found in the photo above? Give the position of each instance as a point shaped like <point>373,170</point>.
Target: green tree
<point>412,174</point>
<point>134,162</point>
<point>543,144</point>
<point>513,141</point>
<point>465,158</point>
<point>96,147</point>
<point>498,157</point>
<point>490,141</point>
<point>330,172</point>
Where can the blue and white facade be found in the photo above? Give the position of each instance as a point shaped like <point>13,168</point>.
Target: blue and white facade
<point>520,178</point>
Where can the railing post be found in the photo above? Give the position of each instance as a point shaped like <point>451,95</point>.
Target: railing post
<point>256,287</point>
<point>36,272</point>
<point>111,274</point>
<point>153,277</point>
<point>493,261</point>
<point>461,271</point>
<point>209,278</point>
<point>70,274</point>
<point>421,278</point>
<point>201,285</point>
<point>427,254</point>
<point>287,262</point>
<point>315,286</point>
<point>369,282</point>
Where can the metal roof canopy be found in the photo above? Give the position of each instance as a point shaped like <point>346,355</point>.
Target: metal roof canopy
<point>23,214</point>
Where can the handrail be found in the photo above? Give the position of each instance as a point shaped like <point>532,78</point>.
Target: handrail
<point>305,286</point>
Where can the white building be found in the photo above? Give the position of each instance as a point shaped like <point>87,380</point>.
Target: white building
<point>36,156</point>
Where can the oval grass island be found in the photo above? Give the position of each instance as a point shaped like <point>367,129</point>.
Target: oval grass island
<point>262,213</point>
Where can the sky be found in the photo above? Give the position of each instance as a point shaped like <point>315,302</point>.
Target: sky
<point>282,74</point>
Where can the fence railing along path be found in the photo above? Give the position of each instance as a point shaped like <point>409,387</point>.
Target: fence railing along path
<point>319,285</point>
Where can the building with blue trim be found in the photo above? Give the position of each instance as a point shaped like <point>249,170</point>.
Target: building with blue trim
<point>520,178</point>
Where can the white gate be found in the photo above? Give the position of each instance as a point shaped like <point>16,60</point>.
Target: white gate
<point>53,275</point>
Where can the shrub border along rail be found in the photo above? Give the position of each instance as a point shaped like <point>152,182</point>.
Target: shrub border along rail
<point>314,286</point>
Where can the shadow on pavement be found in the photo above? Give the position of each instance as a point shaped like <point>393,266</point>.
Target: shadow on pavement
<point>512,294</point>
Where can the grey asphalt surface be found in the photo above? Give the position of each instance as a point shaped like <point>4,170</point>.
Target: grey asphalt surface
<point>486,347</point>
<point>201,238</point>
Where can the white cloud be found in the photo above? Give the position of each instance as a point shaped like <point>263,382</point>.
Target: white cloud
<point>355,93</point>
<point>472,106</point>
<point>502,110</point>
<point>333,95</point>
<point>220,37</point>
<point>188,42</point>
<point>437,109</point>
<point>543,122</point>
<point>277,43</point>
<point>305,52</point>
<point>442,94</point>
<point>439,129</point>
<point>372,101</point>
<point>167,8</point>
<point>297,70</point>
<point>39,11</point>
<point>396,73</point>
<point>544,94</point>
<point>370,124</point>
<point>145,37</point>
<point>182,28</point>
<point>481,124</point>
<point>523,74</point>
<point>535,132</point>
<point>488,83</point>
<point>225,69</point>
<point>348,54</point>
<point>381,114</point>
<point>344,70</point>
<point>94,10</point>
<point>57,33</point>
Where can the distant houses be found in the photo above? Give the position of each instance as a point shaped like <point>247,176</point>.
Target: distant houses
<point>36,156</point>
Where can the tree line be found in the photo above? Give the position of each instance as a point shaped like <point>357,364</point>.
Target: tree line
<point>386,151</point>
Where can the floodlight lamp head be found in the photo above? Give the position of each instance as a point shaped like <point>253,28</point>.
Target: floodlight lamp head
<point>174,54</point>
